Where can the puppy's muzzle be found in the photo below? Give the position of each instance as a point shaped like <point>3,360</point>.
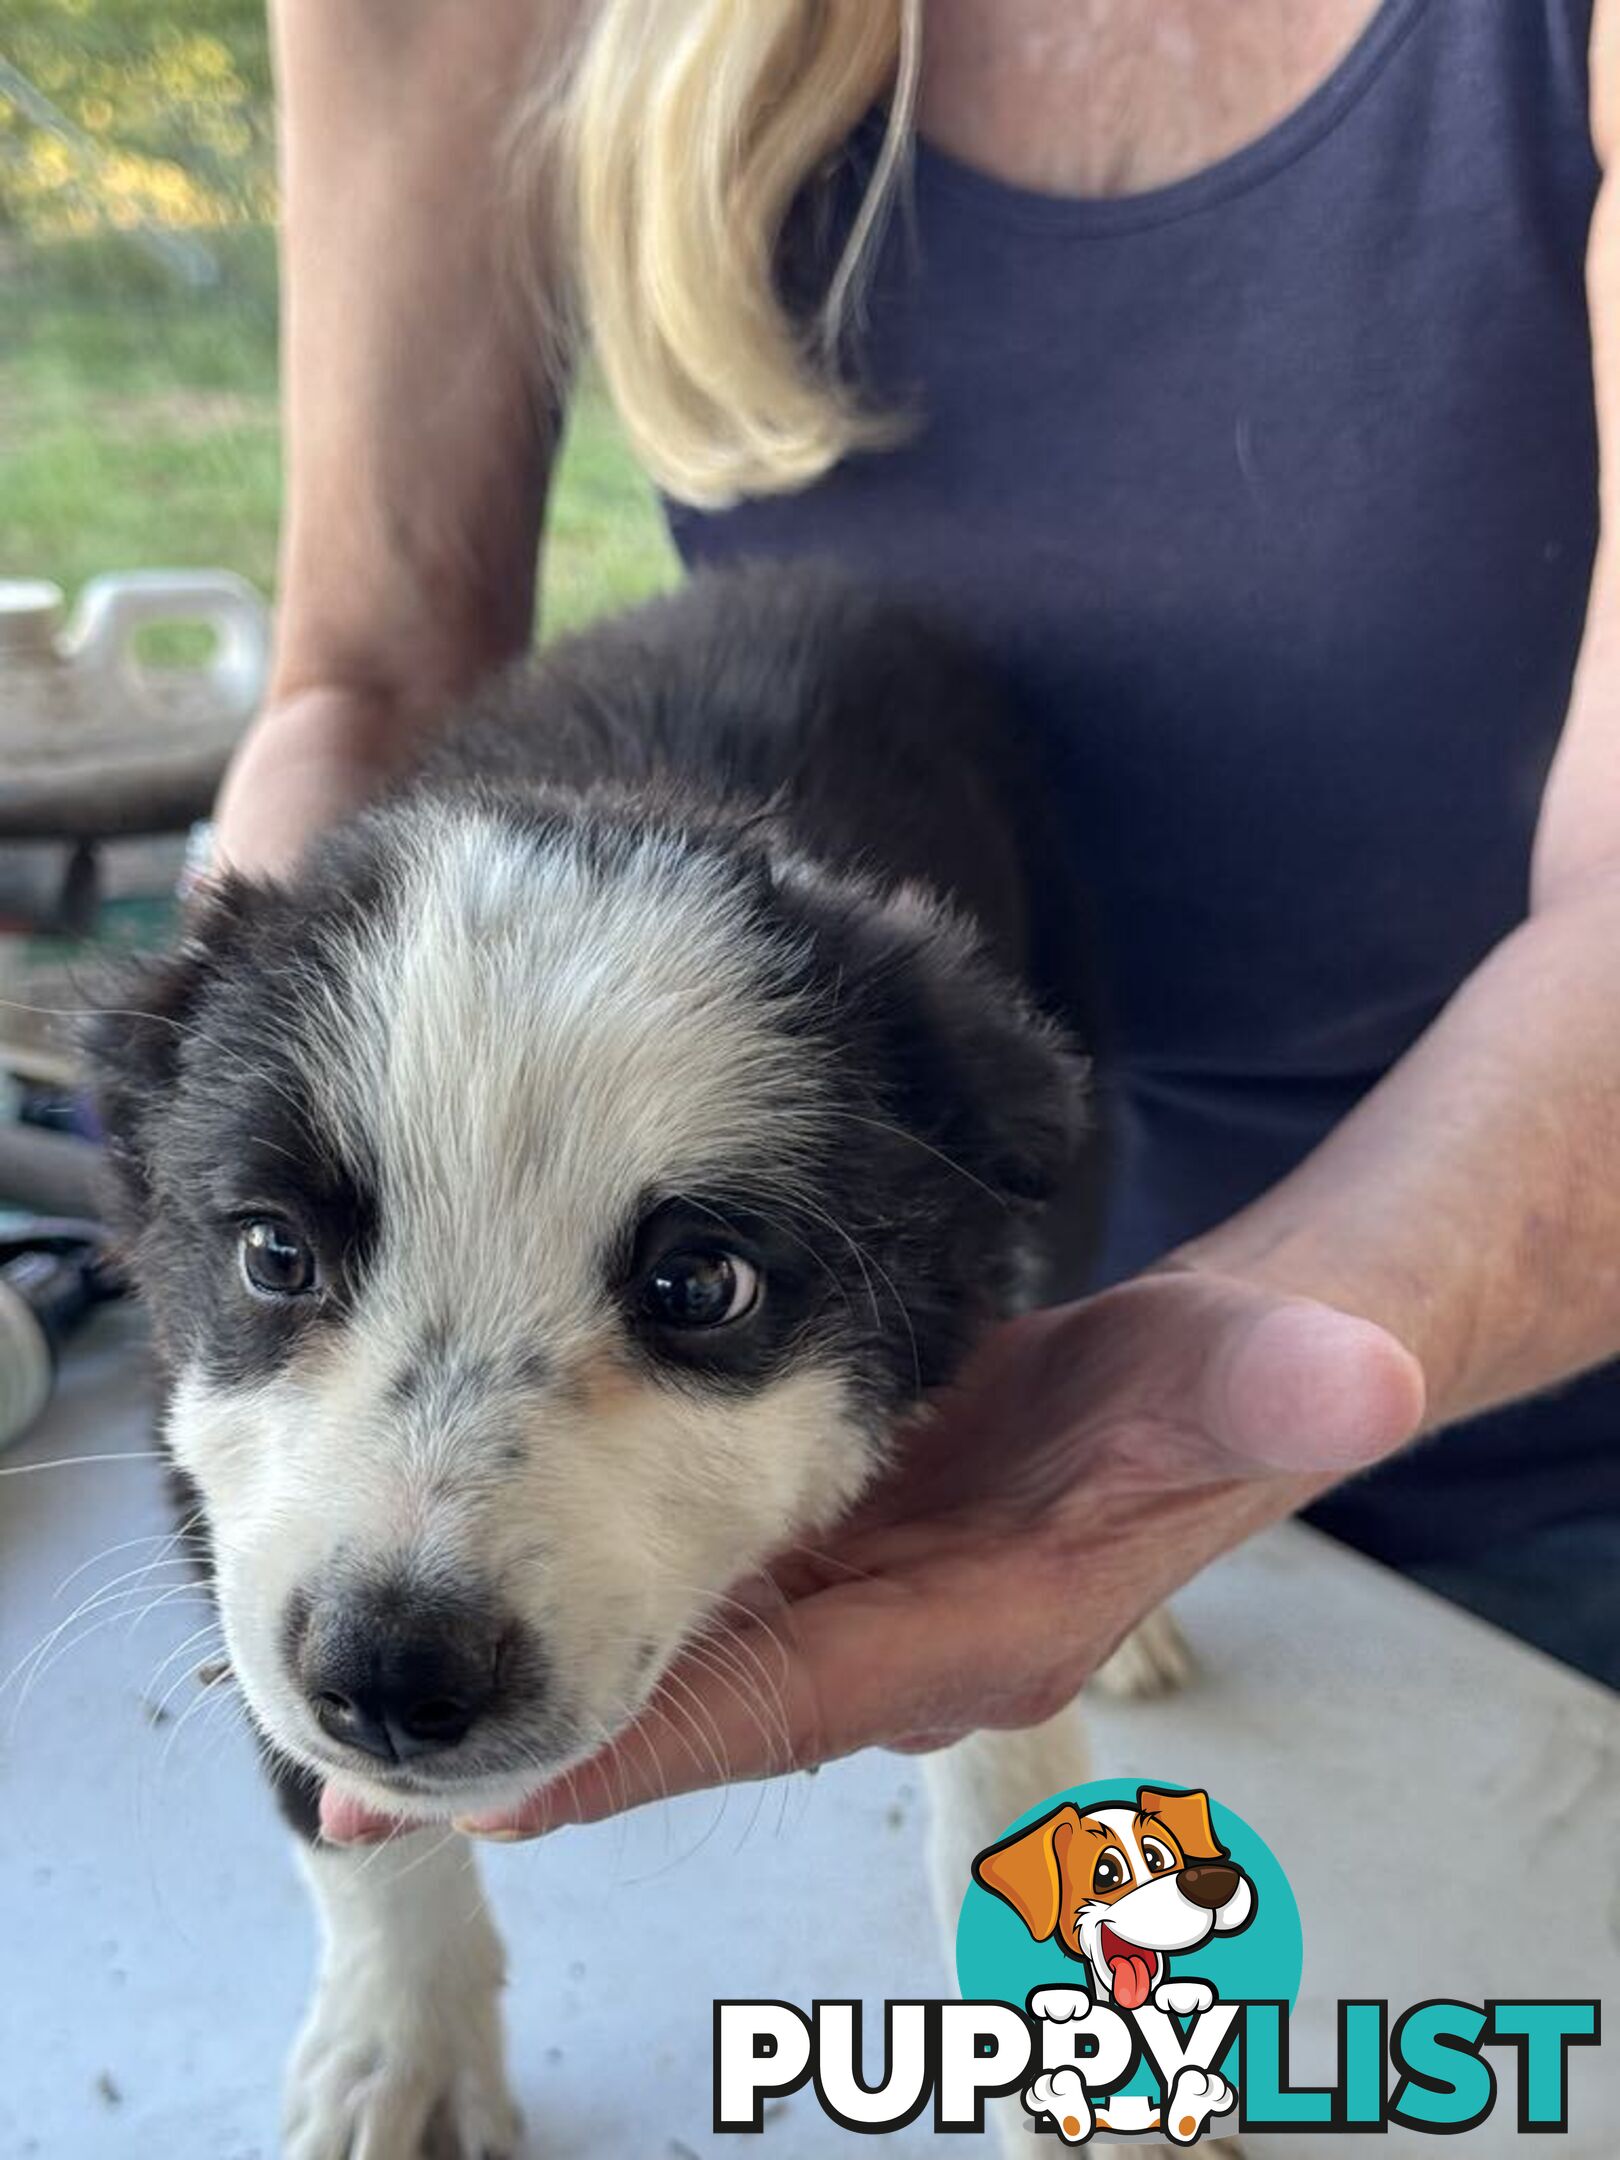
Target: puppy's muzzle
<point>395,1674</point>
<point>1211,1885</point>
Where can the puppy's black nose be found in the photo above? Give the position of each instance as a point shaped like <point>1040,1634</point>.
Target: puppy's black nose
<point>394,1684</point>
<point>1212,1884</point>
<point>399,1702</point>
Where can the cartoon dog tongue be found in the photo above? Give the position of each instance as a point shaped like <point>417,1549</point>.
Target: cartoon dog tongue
<point>1130,1970</point>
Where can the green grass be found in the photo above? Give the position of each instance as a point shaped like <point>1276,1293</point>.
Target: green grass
<point>138,429</point>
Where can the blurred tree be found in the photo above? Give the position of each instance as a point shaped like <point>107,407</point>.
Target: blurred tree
<point>167,114</point>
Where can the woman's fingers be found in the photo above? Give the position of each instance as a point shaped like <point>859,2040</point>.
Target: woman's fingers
<point>743,1708</point>
<point>859,1666</point>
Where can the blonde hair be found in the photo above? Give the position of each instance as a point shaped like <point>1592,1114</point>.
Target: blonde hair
<point>676,142</point>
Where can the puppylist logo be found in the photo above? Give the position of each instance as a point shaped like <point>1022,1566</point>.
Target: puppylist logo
<point>1128,1961</point>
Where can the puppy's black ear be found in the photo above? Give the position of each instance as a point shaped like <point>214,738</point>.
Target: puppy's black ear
<point>976,1071</point>
<point>131,1048</point>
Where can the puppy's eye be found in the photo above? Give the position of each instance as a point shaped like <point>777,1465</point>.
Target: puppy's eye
<point>1157,1856</point>
<point>1109,1873</point>
<point>276,1261</point>
<point>694,1289</point>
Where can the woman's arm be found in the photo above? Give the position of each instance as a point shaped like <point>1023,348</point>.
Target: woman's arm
<point>417,435</point>
<point>1471,1203</point>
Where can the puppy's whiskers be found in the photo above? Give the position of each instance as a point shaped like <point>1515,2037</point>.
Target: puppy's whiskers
<point>131,1601</point>
<point>165,1539</point>
<point>78,1462</point>
<point>911,1139</point>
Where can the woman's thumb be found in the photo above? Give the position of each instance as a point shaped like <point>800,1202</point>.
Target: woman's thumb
<point>1300,1386</point>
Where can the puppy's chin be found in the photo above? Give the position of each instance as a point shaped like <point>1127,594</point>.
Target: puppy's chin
<point>427,1801</point>
<point>480,1796</point>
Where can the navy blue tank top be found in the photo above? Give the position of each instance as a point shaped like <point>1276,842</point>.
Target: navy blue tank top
<point>1274,493</point>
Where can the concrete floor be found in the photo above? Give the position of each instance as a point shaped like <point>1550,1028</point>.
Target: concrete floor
<point>1446,1804</point>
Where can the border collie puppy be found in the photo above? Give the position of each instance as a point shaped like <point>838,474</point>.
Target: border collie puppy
<point>549,1199</point>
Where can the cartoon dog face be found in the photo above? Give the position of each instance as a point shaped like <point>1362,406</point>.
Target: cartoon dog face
<point>1120,1887</point>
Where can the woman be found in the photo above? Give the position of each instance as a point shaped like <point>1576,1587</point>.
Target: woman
<point>1230,369</point>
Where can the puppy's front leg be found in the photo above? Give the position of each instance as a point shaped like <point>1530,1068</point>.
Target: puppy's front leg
<point>402,2051</point>
<point>977,1787</point>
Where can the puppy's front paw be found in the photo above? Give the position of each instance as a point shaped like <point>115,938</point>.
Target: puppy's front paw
<point>1152,1660</point>
<point>389,2069</point>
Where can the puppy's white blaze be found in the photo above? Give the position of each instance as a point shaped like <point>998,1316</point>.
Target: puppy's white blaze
<point>529,1041</point>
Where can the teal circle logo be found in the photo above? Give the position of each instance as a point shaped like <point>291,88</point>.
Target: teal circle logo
<point>1119,1887</point>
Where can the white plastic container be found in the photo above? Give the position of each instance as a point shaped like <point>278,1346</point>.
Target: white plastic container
<point>94,743</point>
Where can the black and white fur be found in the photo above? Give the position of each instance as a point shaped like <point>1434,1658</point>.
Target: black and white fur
<point>717,931</point>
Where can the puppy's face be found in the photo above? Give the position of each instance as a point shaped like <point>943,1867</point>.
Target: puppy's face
<point>544,1218</point>
<point>1122,1887</point>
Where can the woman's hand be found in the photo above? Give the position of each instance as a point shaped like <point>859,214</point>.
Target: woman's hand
<point>1093,1460</point>
<point>308,761</point>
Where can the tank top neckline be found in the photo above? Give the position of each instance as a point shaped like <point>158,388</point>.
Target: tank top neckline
<point>1299,130</point>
